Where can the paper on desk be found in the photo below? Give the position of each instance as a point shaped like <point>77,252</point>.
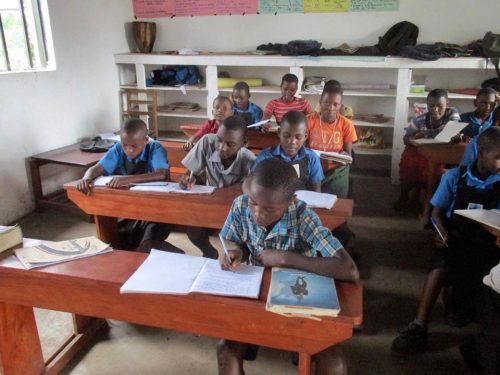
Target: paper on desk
<point>257,124</point>
<point>490,218</point>
<point>175,188</point>
<point>104,180</point>
<point>450,130</point>
<point>316,200</point>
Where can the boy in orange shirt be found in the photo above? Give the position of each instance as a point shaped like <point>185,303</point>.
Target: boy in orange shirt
<point>329,131</point>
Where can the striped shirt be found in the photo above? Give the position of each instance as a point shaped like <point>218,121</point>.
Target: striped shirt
<point>278,108</point>
<point>299,230</point>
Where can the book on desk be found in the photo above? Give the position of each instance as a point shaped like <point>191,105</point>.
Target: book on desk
<point>450,130</point>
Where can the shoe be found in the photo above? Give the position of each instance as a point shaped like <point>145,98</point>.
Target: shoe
<point>412,339</point>
<point>456,318</point>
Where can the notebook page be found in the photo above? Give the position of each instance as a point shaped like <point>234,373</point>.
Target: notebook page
<point>316,200</point>
<point>450,130</point>
<point>244,282</point>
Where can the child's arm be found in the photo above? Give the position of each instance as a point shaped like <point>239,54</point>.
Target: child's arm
<point>190,143</point>
<point>187,180</point>
<point>437,215</point>
<point>85,184</point>
<point>347,148</point>
<point>125,181</point>
<point>315,186</point>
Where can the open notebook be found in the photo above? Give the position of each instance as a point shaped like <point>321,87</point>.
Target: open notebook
<point>169,273</point>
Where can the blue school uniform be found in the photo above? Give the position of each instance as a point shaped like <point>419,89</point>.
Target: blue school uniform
<point>306,163</point>
<point>153,157</point>
<point>475,125</point>
<point>470,153</point>
<point>251,115</point>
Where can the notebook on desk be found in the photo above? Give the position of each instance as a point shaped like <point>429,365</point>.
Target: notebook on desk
<point>450,130</point>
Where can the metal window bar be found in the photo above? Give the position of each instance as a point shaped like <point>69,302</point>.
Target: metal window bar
<point>40,33</point>
<point>26,35</point>
<point>4,44</point>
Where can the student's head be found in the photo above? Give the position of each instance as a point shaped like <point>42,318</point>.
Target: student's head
<point>271,188</point>
<point>241,94</point>
<point>488,150</point>
<point>496,116</point>
<point>222,108</point>
<point>289,86</point>
<point>437,103</point>
<point>133,137</point>
<point>330,102</point>
<point>485,102</point>
<point>332,83</point>
<point>293,132</point>
<point>231,136</point>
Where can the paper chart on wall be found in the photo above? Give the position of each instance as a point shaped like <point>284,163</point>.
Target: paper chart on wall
<point>280,6</point>
<point>373,5</point>
<point>153,8</point>
<point>214,7</point>
<point>325,6</point>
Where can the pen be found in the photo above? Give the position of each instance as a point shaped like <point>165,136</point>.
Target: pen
<point>439,232</point>
<point>189,184</point>
<point>224,247</point>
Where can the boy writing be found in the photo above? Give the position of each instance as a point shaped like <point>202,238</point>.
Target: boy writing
<point>272,228</point>
<point>413,167</point>
<point>137,158</point>
<point>222,108</point>
<point>224,161</point>
<point>293,135</point>
<point>242,106</point>
<point>469,251</point>
<point>288,102</point>
<point>330,131</point>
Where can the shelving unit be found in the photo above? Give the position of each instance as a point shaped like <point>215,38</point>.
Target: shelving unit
<point>395,103</point>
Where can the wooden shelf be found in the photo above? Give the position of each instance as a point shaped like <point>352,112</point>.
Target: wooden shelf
<point>199,87</point>
<point>450,96</point>
<point>375,93</point>
<point>388,124</point>
<point>200,113</point>
<point>258,90</point>
<point>372,151</point>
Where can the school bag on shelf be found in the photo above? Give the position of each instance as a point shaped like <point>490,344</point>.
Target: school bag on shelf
<point>301,48</point>
<point>399,35</point>
<point>424,52</point>
<point>176,75</point>
<point>491,49</point>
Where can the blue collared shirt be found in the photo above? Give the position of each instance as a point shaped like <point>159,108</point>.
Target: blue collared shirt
<point>299,230</point>
<point>115,158</point>
<point>253,109</point>
<point>470,153</point>
<point>475,125</point>
<point>314,165</point>
<point>444,197</point>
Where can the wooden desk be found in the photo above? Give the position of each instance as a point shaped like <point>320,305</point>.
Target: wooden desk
<point>208,211</point>
<point>69,155</point>
<point>90,287</point>
<point>438,155</point>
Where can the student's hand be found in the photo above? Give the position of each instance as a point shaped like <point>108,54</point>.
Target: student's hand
<point>84,186</point>
<point>118,182</point>
<point>442,242</point>
<point>188,145</point>
<point>266,128</point>
<point>230,265</point>
<point>187,183</point>
<point>272,258</point>
<point>418,135</point>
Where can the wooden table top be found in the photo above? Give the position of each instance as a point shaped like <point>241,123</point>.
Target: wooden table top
<point>70,155</point>
<point>443,153</point>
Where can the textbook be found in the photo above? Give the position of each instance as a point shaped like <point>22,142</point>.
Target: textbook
<point>490,218</point>
<point>10,237</point>
<point>451,129</point>
<point>46,253</point>
<point>173,187</point>
<point>334,156</point>
<point>171,273</point>
<point>294,292</point>
<point>316,200</point>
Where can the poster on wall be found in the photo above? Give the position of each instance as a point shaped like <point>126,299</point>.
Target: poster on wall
<point>188,8</point>
<point>373,5</point>
<point>280,6</point>
<point>154,8</point>
<point>325,6</point>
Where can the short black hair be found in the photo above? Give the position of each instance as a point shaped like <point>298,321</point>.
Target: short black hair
<point>438,94</point>
<point>134,125</point>
<point>293,118</point>
<point>235,123</point>
<point>242,86</point>
<point>332,83</point>
<point>331,90</point>
<point>222,98</point>
<point>276,174</point>
<point>496,114</point>
<point>488,140</point>
<point>486,91</point>
<point>290,78</point>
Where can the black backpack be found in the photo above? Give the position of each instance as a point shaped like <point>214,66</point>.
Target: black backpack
<point>399,35</point>
<point>301,48</point>
<point>491,49</point>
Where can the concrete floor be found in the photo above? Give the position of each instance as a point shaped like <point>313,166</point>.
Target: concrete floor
<point>394,257</point>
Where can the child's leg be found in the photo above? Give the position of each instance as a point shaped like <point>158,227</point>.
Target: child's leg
<point>230,356</point>
<point>200,237</point>
<point>430,293</point>
<point>330,361</point>
<point>152,236</point>
<point>337,182</point>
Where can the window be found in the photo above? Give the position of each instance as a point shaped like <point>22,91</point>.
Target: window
<point>25,37</point>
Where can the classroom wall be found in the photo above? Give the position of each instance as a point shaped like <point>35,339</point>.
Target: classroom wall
<point>46,110</point>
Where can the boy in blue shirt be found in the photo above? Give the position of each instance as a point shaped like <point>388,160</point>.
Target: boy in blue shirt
<point>242,107</point>
<point>136,158</point>
<point>271,228</point>
<point>482,117</point>
<point>293,135</point>
<point>469,251</point>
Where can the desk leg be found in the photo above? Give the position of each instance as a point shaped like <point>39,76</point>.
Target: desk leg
<point>107,230</point>
<point>304,364</point>
<point>36,181</point>
<point>20,349</point>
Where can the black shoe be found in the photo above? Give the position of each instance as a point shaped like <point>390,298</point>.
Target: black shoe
<point>412,339</point>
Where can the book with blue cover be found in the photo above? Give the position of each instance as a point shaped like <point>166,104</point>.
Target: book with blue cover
<point>298,292</point>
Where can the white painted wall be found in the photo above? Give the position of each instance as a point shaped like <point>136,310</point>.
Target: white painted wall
<point>43,111</point>
<point>456,21</point>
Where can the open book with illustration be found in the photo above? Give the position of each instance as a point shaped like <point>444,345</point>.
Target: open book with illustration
<point>298,293</point>
<point>169,273</point>
<point>47,252</point>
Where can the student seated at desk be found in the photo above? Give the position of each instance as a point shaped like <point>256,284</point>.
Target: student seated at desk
<point>293,135</point>
<point>224,161</point>
<point>136,158</point>
<point>470,153</point>
<point>222,108</point>
<point>468,251</point>
<point>413,167</point>
<point>344,110</point>
<point>250,112</point>
<point>332,132</point>
<point>287,102</point>
<point>271,228</point>
<point>482,117</point>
